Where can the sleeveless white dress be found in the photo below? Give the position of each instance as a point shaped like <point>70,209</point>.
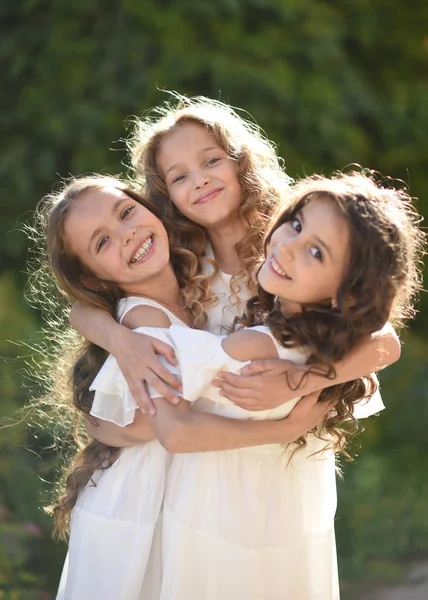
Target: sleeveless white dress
<point>114,546</point>
<point>254,523</point>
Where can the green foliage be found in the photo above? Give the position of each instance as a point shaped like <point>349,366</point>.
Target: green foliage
<point>332,83</point>
<point>381,520</point>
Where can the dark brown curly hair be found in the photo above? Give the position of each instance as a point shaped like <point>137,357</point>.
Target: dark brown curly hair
<point>380,284</point>
<point>70,386</point>
<point>260,171</point>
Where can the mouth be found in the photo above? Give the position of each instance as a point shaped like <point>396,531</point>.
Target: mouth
<point>276,268</point>
<point>208,196</point>
<point>143,250</point>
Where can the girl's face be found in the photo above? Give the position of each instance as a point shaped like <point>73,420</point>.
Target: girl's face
<point>307,256</point>
<point>117,238</point>
<point>201,178</point>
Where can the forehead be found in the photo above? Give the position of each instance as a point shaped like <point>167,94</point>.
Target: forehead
<point>97,201</point>
<point>326,209</point>
<point>88,212</point>
<point>326,217</point>
<point>183,139</point>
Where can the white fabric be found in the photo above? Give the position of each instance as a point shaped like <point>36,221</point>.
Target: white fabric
<point>249,523</point>
<point>255,523</point>
<point>115,537</point>
<point>222,315</point>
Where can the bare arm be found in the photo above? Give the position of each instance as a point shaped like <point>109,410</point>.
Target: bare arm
<point>136,354</point>
<point>181,430</point>
<point>138,432</point>
<point>264,384</point>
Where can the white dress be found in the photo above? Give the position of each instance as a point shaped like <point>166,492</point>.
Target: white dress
<point>114,546</point>
<point>254,523</point>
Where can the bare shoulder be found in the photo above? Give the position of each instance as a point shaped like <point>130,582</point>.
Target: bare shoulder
<point>250,344</point>
<point>146,316</point>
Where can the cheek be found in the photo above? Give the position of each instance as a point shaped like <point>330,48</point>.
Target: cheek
<point>177,197</point>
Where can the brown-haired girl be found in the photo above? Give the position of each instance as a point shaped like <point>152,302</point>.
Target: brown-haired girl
<point>109,247</point>
<point>220,180</point>
<point>340,261</point>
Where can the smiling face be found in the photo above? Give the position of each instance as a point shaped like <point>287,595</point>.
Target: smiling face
<point>201,178</point>
<point>116,238</point>
<point>307,256</point>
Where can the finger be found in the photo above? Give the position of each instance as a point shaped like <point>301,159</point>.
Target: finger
<point>257,367</point>
<point>234,380</point>
<point>166,351</point>
<point>160,386</point>
<point>142,398</point>
<point>248,404</point>
<point>230,391</point>
<point>310,399</point>
<point>164,374</point>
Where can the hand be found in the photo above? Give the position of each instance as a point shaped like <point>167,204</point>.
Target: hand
<point>309,413</point>
<point>263,384</point>
<point>137,358</point>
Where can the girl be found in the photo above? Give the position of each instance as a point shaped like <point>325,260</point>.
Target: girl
<point>107,245</point>
<point>220,180</point>
<point>258,523</point>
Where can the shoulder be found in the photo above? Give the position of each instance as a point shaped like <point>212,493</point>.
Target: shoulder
<point>250,344</point>
<point>145,316</point>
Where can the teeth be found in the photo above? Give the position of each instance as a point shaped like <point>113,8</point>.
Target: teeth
<point>143,250</point>
<point>276,267</point>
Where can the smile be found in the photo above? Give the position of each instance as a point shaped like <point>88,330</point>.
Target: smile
<point>277,269</point>
<point>142,251</point>
<point>208,196</point>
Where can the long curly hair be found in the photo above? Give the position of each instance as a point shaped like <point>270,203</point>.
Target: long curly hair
<point>380,284</point>
<point>77,362</point>
<point>260,171</point>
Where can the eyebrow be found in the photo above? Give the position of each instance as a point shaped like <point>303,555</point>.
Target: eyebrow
<point>98,230</point>
<point>317,239</point>
<point>200,152</point>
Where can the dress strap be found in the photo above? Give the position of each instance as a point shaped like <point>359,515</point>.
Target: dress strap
<point>127,304</point>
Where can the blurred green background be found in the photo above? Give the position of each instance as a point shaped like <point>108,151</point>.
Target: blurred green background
<point>332,83</point>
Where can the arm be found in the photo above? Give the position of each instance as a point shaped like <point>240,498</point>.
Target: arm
<point>265,385</point>
<point>138,432</point>
<point>135,353</point>
<point>181,430</point>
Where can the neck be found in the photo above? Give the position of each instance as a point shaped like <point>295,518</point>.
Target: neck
<point>224,239</point>
<point>163,288</point>
<point>289,308</point>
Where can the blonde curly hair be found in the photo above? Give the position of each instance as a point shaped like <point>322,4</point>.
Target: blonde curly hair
<point>260,171</point>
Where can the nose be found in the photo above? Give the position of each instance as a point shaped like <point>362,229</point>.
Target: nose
<point>128,234</point>
<point>200,178</point>
<point>287,248</point>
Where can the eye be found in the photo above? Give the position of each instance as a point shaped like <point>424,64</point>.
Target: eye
<point>102,243</point>
<point>212,161</point>
<point>316,253</point>
<point>178,178</point>
<point>126,212</point>
<point>296,225</point>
